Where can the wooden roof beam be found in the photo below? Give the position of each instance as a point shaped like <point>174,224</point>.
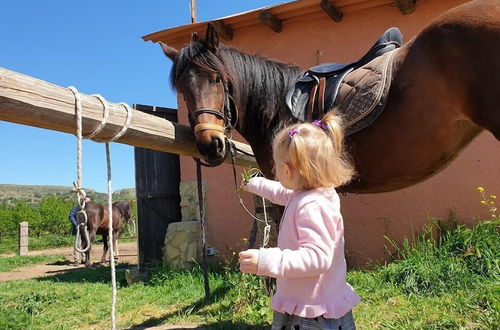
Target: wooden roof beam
<point>271,21</point>
<point>335,14</point>
<point>223,30</point>
<point>406,6</point>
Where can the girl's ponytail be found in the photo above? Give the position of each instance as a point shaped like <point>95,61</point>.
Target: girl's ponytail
<point>334,129</point>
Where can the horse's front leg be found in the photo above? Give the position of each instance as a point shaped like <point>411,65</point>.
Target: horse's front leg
<point>105,247</point>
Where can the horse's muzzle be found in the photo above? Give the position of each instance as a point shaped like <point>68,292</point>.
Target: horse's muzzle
<point>214,151</point>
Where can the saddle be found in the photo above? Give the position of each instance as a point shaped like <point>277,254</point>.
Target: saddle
<point>317,90</point>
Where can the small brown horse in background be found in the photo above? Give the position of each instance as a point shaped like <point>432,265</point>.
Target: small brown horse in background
<point>97,223</point>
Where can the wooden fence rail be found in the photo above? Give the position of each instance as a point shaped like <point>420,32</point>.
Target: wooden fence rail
<point>34,102</point>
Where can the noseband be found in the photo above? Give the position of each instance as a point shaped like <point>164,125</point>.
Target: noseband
<point>224,114</point>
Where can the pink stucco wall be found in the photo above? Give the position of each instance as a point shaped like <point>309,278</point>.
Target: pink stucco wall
<point>367,217</point>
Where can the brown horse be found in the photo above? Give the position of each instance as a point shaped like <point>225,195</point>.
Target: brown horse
<point>97,223</point>
<point>445,89</point>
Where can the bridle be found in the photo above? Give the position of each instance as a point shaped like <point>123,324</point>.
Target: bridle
<point>224,113</point>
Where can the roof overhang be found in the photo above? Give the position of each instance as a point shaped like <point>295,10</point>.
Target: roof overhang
<point>273,16</point>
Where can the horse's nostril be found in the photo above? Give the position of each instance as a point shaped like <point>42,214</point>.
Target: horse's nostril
<point>219,144</point>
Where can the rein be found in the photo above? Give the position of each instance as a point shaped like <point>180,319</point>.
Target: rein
<point>225,114</point>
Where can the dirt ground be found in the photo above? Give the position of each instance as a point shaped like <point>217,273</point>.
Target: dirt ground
<point>127,252</point>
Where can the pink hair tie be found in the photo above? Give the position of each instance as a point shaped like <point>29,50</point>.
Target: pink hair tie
<point>320,124</point>
<point>292,132</point>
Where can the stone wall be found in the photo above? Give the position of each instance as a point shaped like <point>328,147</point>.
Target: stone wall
<point>182,241</point>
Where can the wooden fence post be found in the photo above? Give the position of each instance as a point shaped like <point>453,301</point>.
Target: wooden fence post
<point>23,238</point>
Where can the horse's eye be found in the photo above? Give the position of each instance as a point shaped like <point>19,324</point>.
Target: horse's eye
<point>217,80</point>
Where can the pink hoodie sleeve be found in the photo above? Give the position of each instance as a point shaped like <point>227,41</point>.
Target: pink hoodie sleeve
<point>270,190</point>
<point>317,232</point>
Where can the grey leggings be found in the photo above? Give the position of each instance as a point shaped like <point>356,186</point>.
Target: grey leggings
<point>293,322</point>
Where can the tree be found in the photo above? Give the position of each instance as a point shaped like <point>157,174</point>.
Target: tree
<point>54,215</point>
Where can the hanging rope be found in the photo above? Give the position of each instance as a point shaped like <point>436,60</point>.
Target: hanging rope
<point>111,244</point>
<point>82,225</point>
<point>81,193</point>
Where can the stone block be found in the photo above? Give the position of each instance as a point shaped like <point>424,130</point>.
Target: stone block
<point>182,244</point>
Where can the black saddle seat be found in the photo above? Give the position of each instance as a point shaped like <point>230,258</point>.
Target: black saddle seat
<point>391,39</point>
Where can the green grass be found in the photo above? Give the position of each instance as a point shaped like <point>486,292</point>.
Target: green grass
<point>9,263</point>
<point>451,283</point>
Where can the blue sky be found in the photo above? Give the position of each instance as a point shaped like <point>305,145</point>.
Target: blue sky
<point>95,46</point>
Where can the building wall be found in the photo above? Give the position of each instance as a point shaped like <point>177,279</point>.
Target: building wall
<point>368,218</point>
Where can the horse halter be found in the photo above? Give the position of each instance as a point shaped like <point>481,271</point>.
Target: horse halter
<point>224,113</point>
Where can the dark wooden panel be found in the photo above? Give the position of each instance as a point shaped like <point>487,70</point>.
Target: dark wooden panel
<point>157,178</point>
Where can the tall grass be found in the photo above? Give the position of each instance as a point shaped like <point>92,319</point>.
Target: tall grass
<point>460,258</point>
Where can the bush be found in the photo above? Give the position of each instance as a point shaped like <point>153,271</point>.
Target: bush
<point>51,216</point>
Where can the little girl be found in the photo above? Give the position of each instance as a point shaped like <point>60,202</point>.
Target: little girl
<point>309,262</point>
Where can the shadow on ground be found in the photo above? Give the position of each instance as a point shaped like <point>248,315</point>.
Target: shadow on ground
<point>96,274</point>
<point>157,323</point>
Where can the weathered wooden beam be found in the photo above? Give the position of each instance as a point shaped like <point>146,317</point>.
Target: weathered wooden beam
<point>335,14</point>
<point>223,30</point>
<point>29,101</point>
<point>406,6</point>
<point>271,21</point>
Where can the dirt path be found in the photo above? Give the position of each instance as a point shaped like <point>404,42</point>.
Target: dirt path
<point>127,252</point>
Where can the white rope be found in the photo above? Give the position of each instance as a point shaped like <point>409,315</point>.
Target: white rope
<point>79,175</point>
<point>126,125</point>
<point>111,244</point>
<point>81,193</point>
<point>104,118</point>
<point>267,227</point>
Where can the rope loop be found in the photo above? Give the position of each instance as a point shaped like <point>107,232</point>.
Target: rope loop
<point>104,120</point>
<point>126,125</point>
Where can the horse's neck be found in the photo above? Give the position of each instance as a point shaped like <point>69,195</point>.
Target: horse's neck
<point>260,93</point>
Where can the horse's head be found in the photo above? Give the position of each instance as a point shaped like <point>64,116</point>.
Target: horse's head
<point>199,74</point>
<point>127,211</point>
<point>125,208</point>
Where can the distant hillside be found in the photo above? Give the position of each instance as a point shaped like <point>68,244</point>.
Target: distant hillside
<point>33,194</point>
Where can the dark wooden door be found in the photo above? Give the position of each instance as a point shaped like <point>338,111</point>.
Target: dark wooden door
<point>157,178</point>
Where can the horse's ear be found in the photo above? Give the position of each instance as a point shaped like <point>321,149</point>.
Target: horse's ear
<point>212,38</point>
<point>194,37</point>
<point>171,52</point>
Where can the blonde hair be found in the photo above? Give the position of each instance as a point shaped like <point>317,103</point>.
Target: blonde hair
<point>316,151</point>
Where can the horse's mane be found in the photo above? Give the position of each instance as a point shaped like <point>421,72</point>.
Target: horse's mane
<point>259,84</point>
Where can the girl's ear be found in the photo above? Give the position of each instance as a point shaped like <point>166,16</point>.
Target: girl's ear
<point>288,170</point>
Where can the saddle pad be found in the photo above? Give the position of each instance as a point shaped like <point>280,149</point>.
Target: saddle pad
<point>363,93</point>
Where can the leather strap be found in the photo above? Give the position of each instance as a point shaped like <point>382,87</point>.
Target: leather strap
<point>310,104</point>
<point>321,97</point>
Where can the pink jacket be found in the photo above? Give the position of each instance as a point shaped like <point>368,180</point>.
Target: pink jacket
<point>309,262</point>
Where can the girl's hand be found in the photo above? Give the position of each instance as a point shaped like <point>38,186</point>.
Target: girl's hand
<point>249,260</point>
<point>246,175</point>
